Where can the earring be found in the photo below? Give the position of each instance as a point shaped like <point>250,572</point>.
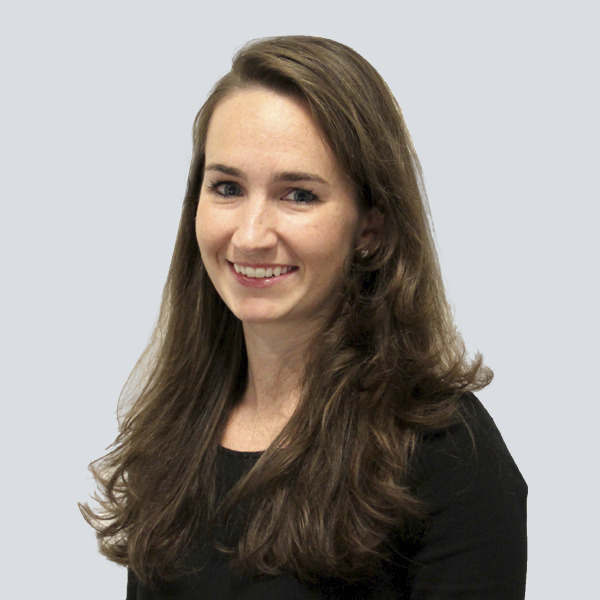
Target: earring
<point>363,252</point>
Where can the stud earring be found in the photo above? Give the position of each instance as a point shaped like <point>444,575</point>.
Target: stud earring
<point>363,253</point>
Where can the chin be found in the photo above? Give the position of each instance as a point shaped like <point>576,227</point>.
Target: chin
<point>258,318</point>
<point>258,313</point>
<point>254,316</point>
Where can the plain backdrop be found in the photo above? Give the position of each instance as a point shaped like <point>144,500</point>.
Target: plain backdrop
<point>95,138</point>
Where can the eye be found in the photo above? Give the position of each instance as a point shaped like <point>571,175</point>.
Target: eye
<point>225,188</point>
<point>300,196</point>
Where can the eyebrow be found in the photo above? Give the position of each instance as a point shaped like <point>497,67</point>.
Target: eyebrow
<point>284,176</point>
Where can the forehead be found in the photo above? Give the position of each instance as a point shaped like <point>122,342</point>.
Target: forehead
<point>258,125</point>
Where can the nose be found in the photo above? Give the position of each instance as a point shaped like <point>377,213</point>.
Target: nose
<point>255,230</point>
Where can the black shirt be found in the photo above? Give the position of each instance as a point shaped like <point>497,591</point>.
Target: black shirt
<point>473,547</point>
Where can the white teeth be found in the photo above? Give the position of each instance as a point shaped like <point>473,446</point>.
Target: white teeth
<point>261,272</point>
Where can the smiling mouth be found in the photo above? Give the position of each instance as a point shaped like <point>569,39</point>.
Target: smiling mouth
<point>262,272</point>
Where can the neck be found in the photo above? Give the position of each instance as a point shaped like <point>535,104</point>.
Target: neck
<point>276,362</point>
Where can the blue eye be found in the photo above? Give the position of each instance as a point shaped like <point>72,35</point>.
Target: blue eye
<point>301,196</point>
<point>226,188</point>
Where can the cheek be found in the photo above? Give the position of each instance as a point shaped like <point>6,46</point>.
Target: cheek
<point>330,246</point>
<point>207,231</point>
<point>200,231</point>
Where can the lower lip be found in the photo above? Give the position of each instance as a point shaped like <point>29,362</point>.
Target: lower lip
<point>260,282</point>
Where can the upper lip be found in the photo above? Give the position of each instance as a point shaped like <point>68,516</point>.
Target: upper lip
<point>260,265</point>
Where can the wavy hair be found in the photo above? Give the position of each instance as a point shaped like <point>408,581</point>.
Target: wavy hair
<point>387,367</point>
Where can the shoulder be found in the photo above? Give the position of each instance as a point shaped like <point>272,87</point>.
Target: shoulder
<point>474,538</point>
<point>469,455</point>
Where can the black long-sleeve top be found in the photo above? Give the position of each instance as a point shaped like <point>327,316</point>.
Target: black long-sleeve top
<point>473,547</point>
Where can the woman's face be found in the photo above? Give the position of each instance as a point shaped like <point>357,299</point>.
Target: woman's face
<point>276,217</point>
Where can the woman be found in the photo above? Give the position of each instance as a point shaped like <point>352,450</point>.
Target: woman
<point>303,425</point>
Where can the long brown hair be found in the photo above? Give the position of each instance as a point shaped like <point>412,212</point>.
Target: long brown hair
<point>388,366</point>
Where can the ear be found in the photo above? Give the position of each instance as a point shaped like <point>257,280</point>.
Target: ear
<point>370,231</point>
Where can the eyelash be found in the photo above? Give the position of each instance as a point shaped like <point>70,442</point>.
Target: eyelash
<point>215,185</point>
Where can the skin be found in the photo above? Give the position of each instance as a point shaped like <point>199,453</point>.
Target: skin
<point>274,196</point>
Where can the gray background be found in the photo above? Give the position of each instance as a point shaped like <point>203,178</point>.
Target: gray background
<point>97,105</point>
